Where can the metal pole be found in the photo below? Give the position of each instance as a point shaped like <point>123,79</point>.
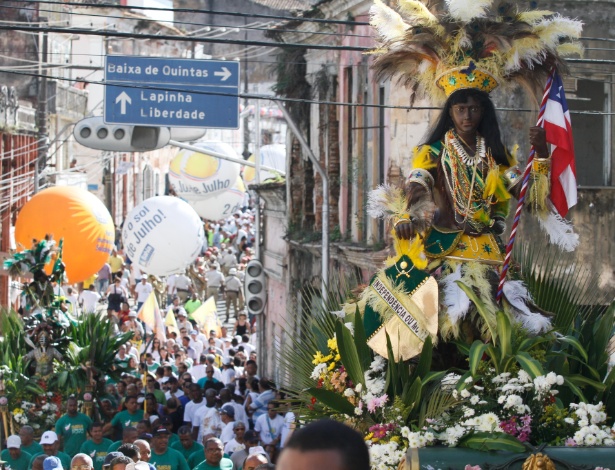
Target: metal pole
<point>325,200</point>
<point>41,109</point>
<point>257,170</point>
<point>194,148</point>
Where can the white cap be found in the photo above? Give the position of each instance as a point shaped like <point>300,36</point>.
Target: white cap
<point>49,437</point>
<point>13,442</point>
<point>257,450</point>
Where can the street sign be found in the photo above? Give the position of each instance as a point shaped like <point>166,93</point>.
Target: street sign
<point>156,91</point>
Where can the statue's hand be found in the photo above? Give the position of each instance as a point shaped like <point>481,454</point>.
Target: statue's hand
<point>499,226</point>
<point>538,139</point>
<point>404,230</point>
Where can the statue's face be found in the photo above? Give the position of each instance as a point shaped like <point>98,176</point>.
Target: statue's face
<point>43,340</point>
<point>467,116</point>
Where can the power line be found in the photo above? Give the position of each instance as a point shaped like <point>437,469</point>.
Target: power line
<point>291,100</point>
<point>118,34</point>
<point>210,12</point>
<point>187,23</point>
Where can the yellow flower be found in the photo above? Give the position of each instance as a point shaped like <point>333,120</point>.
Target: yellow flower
<point>338,358</point>
<point>327,358</point>
<point>332,343</point>
<point>369,436</point>
<point>17,411</point>
<point>332,366</point>
<point>318,358</point>
<point>395,439</point>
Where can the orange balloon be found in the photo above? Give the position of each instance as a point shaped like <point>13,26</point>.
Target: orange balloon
<point>76,216</point>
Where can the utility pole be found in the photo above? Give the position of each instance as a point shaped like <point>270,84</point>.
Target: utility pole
<point>41,107</point>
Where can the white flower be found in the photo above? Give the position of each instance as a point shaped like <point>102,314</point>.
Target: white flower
<point>569,420</point>
<point>474,399</point>
<point>358,388</point>
<point>318,370</point>
<point>465,393</point>
<point>350,326</point>
<point>349,392</point>
<point>590,440</point>
<point>358,411</point>
<point>468,380</point>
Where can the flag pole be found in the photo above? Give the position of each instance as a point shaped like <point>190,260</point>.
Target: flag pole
<point>524,186</point>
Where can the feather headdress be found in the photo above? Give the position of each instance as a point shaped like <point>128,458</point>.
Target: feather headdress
<point>480,44</point>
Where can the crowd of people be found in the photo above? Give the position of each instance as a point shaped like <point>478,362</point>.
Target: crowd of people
<point>321,445</point>
<point>123,287</point>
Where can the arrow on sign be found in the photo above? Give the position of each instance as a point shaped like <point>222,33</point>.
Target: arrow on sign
<point>225,74</point>
<point>123,98</point>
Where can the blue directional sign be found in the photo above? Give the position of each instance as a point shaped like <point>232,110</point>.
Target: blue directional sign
<point>156,91</point>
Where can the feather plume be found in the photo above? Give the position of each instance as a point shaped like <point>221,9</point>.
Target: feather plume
<point>539,193</point>
<point>533,16</point>
<point>386,201</point>
<point>559,230</point>
<point>551,30</point>
<point>570,48</point>
<point>422,158</point>
<point>494,186</point>
<point>417,12</point>
<point>386,21</point>
<point>467,10</point>
<point>455,300</point>
<point>518,296</point>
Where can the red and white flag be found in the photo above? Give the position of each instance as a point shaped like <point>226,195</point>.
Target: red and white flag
<point>559,135</point>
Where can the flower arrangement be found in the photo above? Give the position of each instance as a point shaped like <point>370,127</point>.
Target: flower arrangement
<point>506,400</point>
<point>41,415</point>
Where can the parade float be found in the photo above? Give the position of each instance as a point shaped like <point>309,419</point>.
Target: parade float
<point>465,352</point>
<point>47,354</point>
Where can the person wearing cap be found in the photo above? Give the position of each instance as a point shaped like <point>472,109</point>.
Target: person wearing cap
<point>142,290</point>
<point>269,425</point>
<point>250,442</point>
<point>96,446</point>
<point>226,398</point>
<point>237,443</point>
<point>214,457</point>
<point>182,320</point>
<point>28,444</point>
<point>129,435</point>
<point>187,445</point>
<point>163,457</point>
<point>215,281</point>
<point>50,444</point>
<point>132,324</point>
<point>183,287</point>
<point>72,428</point>
<point>129,417</point>
<point>53,463</point>
<point>227,416</point>
<point>14,456</point>
<point>228,371</point>
<point>232,291</point>
<point>228,261</point>
<point>196,342</point>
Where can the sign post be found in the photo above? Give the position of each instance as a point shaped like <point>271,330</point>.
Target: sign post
<point>157,91</point>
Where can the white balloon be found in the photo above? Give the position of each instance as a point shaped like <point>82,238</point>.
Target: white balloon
<point>199,175</point>
<point>221,205</point>
<point>163,235</point>
<point>273,156</point>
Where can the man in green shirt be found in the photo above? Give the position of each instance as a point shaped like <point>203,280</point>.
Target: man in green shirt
<point>192,304</point>
<point>28,444</point>
<point>129,436</point>
<point>129,417</point>
<point>51,445</point>
<point>164,458</point>
<point>15,458</point>
<point>72,428</point>
<point>214,459</point>
<point>186,445</point>
<point>96,447</point>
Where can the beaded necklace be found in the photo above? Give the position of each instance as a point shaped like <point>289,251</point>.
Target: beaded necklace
<point>464,178</point>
